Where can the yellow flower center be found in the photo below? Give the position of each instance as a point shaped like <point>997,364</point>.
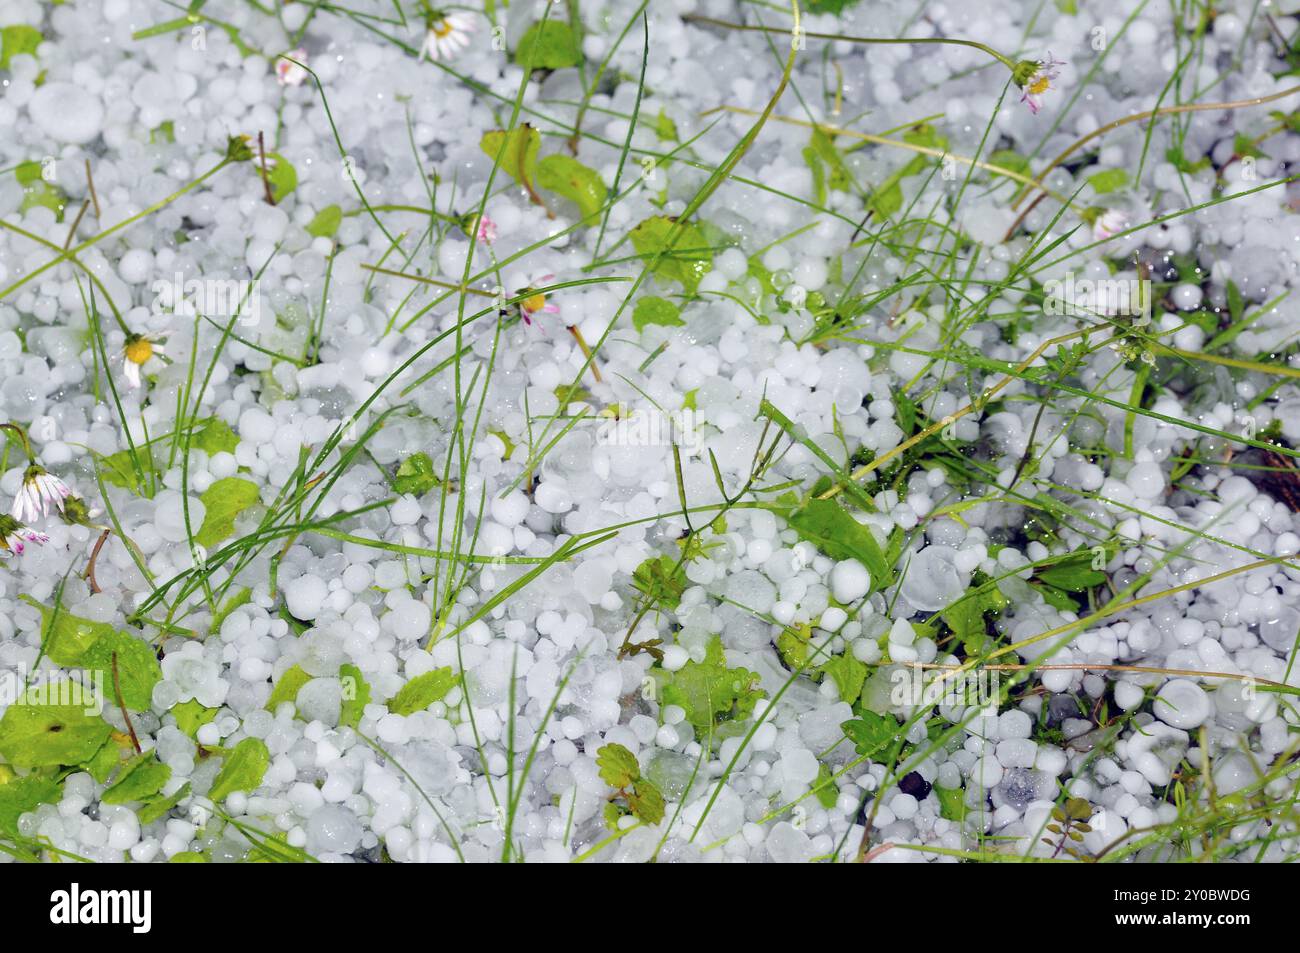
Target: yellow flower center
<point>441,28</point>
<point>534,302</point>
<point>139,351</point>
<point>1040,85</point>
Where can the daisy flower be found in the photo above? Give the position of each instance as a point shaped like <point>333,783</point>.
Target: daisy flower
<point>291,74</point>
<point>1034,77</point>
<point>1109,224</point>
<point>40,493</point>
<point>446,35</point>
<point>137,352</point>
<point>14,536</point>
<point>536,300</point>
<point>77,512</point>
<point>479,227</point>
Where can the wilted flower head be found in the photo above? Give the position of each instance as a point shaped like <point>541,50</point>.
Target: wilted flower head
<point>289,73</point>
<point>1034,77</point>
<point>1109,224</point>
<point>14,537</point>
<point>479,227</point>
<point>41,493</point>
<point>77,512</point>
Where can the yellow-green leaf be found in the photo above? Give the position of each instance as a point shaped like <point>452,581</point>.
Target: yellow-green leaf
<point>652,310</point>
<point>242,769</point>
<point>515,151</point>
<point>422,691</point>
<point>549,44</point>
<point>35,735</point>
<point>141,777</point>
<point>568,177</point>
<point>675,251</point>
<point>286,689</point>
<point>222,502</point>
<point>326,222</point>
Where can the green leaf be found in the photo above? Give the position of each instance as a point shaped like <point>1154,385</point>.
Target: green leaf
<point>140,778</point>
<point>952,803</point>
<point>422,691</point>
<point>1112,180</point>
<point>281,174</point>
<point>887,199</point>
<point>38,735</point>
<point>37,192</point>
<point>74,642</point>
<point>792,644</point>
<point>568,177</point>
<point>138,670</point>
<point>1074,573</point>
<point>242,598</point>
<point>356,696</point>
<point>188,857</point>
<point>1010,160</point>
<point>415,475</point>
<point>660,311</point>
<point>833,530</point>
<point>191,716</point>
<point>1236,303</point>
<point>326,222</point>
<point>66,638</point>
<point>665,128</point>
<point>276,849</point>
<point>827,165</point>
<point>157,807</point>
<point>119,469</point>
<point>848,674</point>
<point>165,132</point>
<point>870,733</point>
<point>1243,145</point>
<point>1056,598</point>
<point>104,762</point>
<point>20,795</point>
<point>675,251</point>
<point>549,44</point>
<point>617,766</point>
<point>242,769</point>
<point>661,580</point>
<point>18,40</point>
<point>517,150</point>
<point>829,6</point>
<point>646,801</point>
<point>222,502</point>
<point>966,616</point>
<point>824,787</point>
<point>287,688</point>
<point>214,437</point>
<point>711,693</point>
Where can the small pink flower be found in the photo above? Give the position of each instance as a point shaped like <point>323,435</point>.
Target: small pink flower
<point>1039,82</point>
<point>291,74</point>
<point>536,302</point>
<point>487,230</point>
<point>14,537</point>
<point>1109,224</point>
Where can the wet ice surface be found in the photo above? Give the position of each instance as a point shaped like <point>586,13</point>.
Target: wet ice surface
<point>392,545</point>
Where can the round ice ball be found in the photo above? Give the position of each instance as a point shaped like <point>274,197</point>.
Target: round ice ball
<point>932,582</point>
<point>1182,704</point>
<point>66,113</point>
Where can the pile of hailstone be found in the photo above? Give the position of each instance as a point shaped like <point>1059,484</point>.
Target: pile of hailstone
<point>575,564</point>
